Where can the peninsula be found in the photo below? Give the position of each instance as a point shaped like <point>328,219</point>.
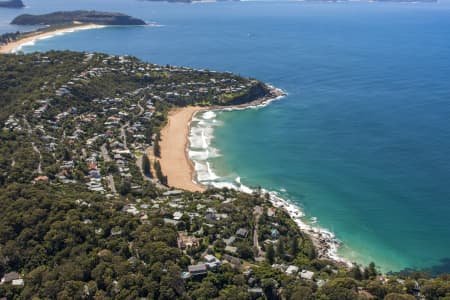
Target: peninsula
<point>59,23</point>
<point>78,16</point>
<point>12,4</point>
<point>87,214</point>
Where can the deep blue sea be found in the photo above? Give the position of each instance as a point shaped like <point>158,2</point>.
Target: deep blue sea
<point>362,141</point>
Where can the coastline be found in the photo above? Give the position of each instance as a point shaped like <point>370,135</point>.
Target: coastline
<point>30,38</point>
<point>178,166</point>
<point>325,242</point>
<point>175,161</point>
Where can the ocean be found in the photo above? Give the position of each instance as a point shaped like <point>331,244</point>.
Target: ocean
<point>361,143</point>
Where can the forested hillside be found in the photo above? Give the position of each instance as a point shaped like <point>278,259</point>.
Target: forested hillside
<point>84,213</point>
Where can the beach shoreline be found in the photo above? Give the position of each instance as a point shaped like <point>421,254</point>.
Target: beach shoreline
<point>32,37</point>
<point>325,242</point>
<point>175,161</point>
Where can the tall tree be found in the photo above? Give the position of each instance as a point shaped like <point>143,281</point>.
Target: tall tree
<point>294,246</point>
<point>156,147</point>
<point>146,165</point>
<point>280,248</point>
<point>270,254</point>
<point>159,173</point>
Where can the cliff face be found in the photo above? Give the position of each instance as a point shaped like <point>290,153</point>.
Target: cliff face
<point>256,92</point>
<point>65,17</point>
<point>12,4</point>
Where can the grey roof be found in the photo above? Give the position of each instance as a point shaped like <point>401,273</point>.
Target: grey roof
<point>10,276</point>
<point>229,240</point>
<point>172,193</point>
<point>233,260</point>
<point>255,290</point>
<point>242,232</point>
<point>199,268</point>
<point>170,221</point>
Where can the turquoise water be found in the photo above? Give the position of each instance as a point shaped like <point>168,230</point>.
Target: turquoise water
<point>362,140</point>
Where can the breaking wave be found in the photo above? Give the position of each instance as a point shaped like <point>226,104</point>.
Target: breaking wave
<point>201,151</point>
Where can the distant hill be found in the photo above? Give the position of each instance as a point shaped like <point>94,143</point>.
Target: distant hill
<point>82,16</point>
<point>12,4</point>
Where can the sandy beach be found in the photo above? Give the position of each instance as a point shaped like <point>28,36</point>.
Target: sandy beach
<point>179,169</point>
<point>33,36</point>
<point>175,162</point>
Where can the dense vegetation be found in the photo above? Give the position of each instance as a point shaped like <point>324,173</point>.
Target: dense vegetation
<point>85,213</point>
<point>9,37</point>
<point>82,16</point>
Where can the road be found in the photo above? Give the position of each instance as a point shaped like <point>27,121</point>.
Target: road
<point>39,168</point>
<point>258,210</point>
<point>105,154</point>
<point>141,109</point>
<point>111,183</point>
<point>29,130</point>
<point>123,134</point>
<point>109,178</point>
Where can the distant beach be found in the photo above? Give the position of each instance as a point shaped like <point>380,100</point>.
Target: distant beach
<point>30,38</point>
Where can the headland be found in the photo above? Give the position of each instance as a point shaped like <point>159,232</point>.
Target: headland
<point>59,23</point>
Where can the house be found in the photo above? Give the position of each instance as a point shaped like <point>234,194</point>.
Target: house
<point>95,174</point>
<point>170,221</point>
<point>234,261</point>
<point>231,249</point>
<point>197,270</point>
<point>305,274</point>
<point>116,231</point>
<point>211,217</point>
<point>242,232</point>
<point>172,193</point>
<point>185,241</point>
<point>130,208</point>
<point>212,262</point>
<point>18,282</point>
<point>177,215</point>
<point>230,240</point>
<point>271,211</point>
<point>9,277</point>
<point>255,292</point>
<point>292,270</point>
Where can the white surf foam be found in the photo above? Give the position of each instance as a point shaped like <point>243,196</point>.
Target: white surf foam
<point>200,151</point>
